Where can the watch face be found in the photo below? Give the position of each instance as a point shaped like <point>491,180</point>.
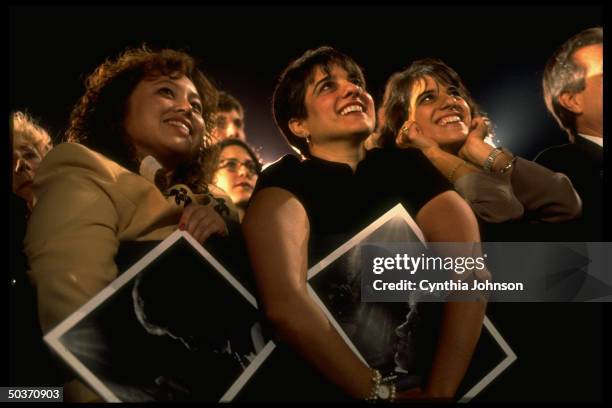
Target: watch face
<point>383,392</point>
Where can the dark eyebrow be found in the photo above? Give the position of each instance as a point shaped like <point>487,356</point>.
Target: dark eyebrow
<point>168,81</point>
<point>317,84</point>
<point>425,93</point>
<point>162,79</point>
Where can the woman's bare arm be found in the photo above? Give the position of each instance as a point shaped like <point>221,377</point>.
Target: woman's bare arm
<point>276,229</point>
<point>448,218</point>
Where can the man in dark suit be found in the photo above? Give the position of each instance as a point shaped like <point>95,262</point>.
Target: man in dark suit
<point>573,92</point>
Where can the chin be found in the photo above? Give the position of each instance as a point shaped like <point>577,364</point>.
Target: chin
<point>452,139</point>
<point>239,199</point>
<point>362,131</point>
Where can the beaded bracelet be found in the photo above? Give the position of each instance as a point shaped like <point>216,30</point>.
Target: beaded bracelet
<point>382,390</point>
<point>393,391</point>
<point>376,379</point>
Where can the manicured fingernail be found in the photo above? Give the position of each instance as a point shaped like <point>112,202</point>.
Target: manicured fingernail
<point>182,227</point>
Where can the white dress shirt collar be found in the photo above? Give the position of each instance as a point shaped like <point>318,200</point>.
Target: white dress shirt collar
<point>594,139</point>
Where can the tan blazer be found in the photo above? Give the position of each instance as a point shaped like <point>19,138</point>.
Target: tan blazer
<point>86,205</point>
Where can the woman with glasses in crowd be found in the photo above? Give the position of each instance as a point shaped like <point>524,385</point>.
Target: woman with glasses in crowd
<point>238,168</point>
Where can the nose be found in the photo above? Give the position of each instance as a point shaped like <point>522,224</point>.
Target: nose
<point>243,171</point>
<point>449,100</point>
<point>231,131</point>
<point>353,89</point>
<point>183,105</point>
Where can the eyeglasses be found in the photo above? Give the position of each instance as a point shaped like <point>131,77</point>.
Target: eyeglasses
<point>233,165</point>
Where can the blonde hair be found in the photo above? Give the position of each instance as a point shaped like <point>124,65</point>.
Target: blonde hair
<point>25,130</point>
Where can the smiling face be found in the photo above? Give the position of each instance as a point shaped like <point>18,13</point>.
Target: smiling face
<point>337,108</point>
<point>163,119</point>
<point>440,111</point>
<point>236,174</point>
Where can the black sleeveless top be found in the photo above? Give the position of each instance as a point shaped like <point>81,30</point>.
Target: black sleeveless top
<point>339,202</point>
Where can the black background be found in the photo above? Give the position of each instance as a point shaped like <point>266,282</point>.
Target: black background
<point>499,50</point>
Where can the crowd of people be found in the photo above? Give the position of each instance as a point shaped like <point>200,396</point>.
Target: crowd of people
<point>152,146</point>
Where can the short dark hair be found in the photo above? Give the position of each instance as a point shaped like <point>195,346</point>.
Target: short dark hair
<point>563,74</point>
<point>97,119</point>
<point>228,103</point>
<point>397,96</point>
<point>290,92</point>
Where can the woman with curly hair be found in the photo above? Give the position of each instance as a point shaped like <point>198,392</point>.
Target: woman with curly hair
<point>138,135</point>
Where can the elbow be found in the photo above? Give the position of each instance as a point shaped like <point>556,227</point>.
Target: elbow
<point>574,207</point>
<point>574,210</point>
<point>564,202</point>
<point>568,195</point>
<point>282,321</point>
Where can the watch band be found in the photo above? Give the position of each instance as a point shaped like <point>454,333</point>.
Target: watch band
<point>488,164</point>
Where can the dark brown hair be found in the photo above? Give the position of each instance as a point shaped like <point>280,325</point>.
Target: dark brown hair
<point>290,92</point>
<point>228,103</point>
<point>397,96</point>
<point>97,119</point>
<point>217,149</point>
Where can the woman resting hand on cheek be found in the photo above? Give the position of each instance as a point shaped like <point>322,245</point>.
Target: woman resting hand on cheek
<point>428,107</point>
